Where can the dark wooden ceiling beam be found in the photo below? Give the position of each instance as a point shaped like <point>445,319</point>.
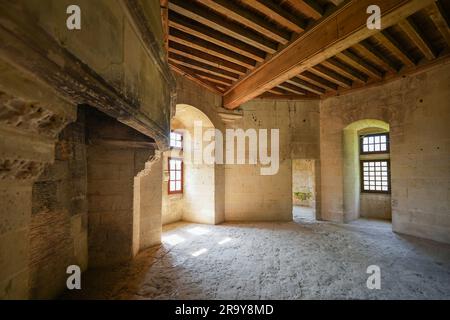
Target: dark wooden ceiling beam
<point>332,76</point>
<point>318,81</point>
<point>309,8</point>
<point>206,58</point>
<point>372,54</point>
<point>183,61</point>
<point>211,77</point>
<point>288,96</point>
<point>220,83</point>
<point>246,17</point>
<point>278,91</point>
<point>358,63</point>
<point>185,72</point>
<point>346,70</point>
<point>393,46</point>
<point>412,31</point>
<point>276,13</point>
<point>306,86</point>
<point>215,21</point>
<point>337,31</point>
<point>436,15</point>
<point>211,48</point>
<point>292,88</point>
<point>194,28</point>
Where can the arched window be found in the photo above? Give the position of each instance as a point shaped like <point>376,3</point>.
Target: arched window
<point>375,164</point>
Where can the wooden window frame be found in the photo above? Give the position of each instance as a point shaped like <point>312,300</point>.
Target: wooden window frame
<point>182,140</point>
<point>362,176</point>
<point>181,191</point>
<point>388,143</point>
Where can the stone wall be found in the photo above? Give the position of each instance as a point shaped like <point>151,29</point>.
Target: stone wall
<point>376,206</point>
<point>417,110</point>
<point>148,203</point>
<point>251,196</point>
<point>179,207</point>
<point>108,43</point>
<point>31,117</point>
<point>58,227</point>
<point>116,154</point>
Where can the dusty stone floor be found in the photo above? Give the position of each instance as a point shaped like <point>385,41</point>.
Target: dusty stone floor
<point>304,259</point>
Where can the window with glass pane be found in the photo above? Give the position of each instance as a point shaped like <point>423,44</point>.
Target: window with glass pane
<point>176,140</point>
<point>175,175</point>
<point>375,143</point>
<point>375,176</point>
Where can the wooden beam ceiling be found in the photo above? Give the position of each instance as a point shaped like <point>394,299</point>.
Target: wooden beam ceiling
<point>215,21</point>
<point>306,86</point>
<point>377,57</point>
<point>392,45</point>
<point>331,76</point>
<point>318,81</point>
<point>359,63</point>
<point>346,70</point>
<point>310,8</point>
<point>437,16</point>
<point>278,14</point>
<point>210,48</point>
<point>243,49</point>
<point>191,75</point>
<point>193,64</point>
<point>194,28</point>
<point>340,30</point>
<point>414,34</point>
<point>207,58</point>
<point>248,18</point>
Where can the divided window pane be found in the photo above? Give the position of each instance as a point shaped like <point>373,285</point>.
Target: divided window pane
<point>375,143</point>
<point>175,176</point>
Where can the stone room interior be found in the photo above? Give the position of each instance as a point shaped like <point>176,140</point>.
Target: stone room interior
<point>224,149</point>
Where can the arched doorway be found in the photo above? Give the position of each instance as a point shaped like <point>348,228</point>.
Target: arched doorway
<point>189,186</point>
<point>366,171</point>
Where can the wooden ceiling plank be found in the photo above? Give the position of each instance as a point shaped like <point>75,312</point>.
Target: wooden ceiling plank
<point>211,77</point>
<point>273,11</point>
<point>185,72</point>
<point>439,21</point>
<point>215,21</point>
<point>206,58</point>
<point>189,26</point>
<point>279,91</point>
<point>358,63</point>
<point>337,31</point>
<point>246,17</point>
<point>306,86</point>
<point>318,81</point>
<point>218,82</point>
<point>183,61</point>
<point>392,45</point>
<point>291,88</point>
<point>309,8</point>
<point>413,33</point>
<point>347,71</point>
<point>332,76</point>
<point>211,48</point>
<point>372,54</point>
<point>288,96</point>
